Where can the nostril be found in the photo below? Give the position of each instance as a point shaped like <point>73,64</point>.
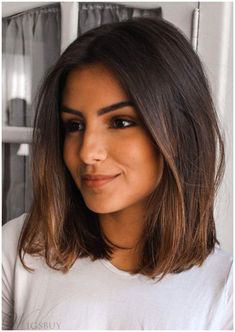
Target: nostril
<point>90,155</point>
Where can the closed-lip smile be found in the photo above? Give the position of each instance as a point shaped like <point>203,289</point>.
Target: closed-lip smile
<point>97,180</point>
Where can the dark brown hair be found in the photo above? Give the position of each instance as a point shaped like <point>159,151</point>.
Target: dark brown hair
<point>163,76</point>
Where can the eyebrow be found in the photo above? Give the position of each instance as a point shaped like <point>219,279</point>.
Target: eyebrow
<point>101,111</point>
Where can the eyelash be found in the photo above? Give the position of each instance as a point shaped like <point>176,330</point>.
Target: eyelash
<point>73,126</point>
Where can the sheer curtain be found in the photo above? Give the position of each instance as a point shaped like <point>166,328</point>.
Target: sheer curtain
<point>30,45</point>
<point>91,15</point>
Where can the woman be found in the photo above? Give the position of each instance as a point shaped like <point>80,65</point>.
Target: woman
<point>121,233</point>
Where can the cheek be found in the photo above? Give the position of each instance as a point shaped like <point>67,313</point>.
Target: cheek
<point>146,172</point>
<point>141,154</point>
<point>140,160</point>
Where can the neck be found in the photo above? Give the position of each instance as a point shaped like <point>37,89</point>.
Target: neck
<point>124,229</point>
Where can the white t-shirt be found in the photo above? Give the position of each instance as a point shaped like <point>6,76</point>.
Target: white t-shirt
<point>97,295</point>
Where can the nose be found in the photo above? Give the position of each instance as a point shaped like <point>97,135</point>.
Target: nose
<point>92,148</point>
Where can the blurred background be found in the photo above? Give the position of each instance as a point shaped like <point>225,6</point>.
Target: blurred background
<point>35,33</point>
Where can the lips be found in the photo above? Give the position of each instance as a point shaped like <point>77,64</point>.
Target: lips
<point>97,180</point>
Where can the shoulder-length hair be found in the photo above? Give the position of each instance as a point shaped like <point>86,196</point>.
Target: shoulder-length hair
<point>163,76</point>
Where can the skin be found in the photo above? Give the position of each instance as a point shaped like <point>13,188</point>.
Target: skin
<point>115,143</point>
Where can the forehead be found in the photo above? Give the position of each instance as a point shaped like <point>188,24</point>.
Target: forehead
<point>94,90</point>
<point>93,81</point>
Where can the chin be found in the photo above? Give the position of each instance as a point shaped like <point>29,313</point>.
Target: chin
<point>102,207</point>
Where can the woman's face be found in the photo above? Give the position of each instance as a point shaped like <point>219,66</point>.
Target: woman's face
<point>106,149</point>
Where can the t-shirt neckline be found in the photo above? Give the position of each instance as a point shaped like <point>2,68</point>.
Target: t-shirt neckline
<point>118,271</point>
<point>126,274</point>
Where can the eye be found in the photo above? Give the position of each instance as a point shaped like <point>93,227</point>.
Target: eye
<point>71,126</point>
<point>122,123</point>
